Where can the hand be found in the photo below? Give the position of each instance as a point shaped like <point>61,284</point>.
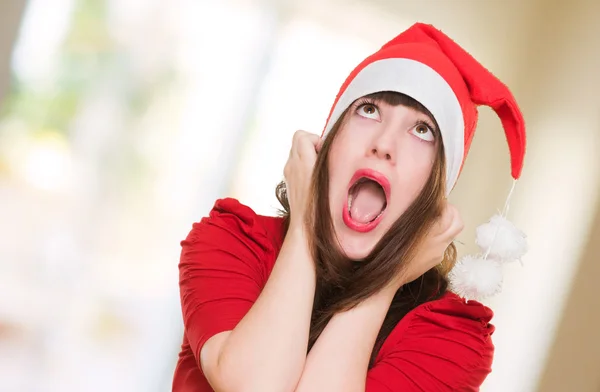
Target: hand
<point>431,251</point>
<point>298,173</point>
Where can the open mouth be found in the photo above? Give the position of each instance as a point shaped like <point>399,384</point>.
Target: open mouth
<point>367,200</point>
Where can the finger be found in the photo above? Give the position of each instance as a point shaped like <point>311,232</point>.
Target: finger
<point>307,145</point>
<point>303,141</point>
<point>319,145</point>
<point>296,142</point>
<point>449,225</point>
<point>298,135</point>
<point>314,138</point>
<point>443,221</point>
<point>301,135</point>
<point>455,226</point>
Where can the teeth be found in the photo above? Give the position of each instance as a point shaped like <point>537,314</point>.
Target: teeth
<point>349,202</point>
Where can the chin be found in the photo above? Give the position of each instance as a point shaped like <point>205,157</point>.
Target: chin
<point>356,246</point>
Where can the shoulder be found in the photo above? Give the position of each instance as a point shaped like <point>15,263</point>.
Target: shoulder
<point>451,334</point>
<point>451,307</point>
<point>238,219</point>
<point>451,311</point>
<point>449,318</point>
<point>235,228</point>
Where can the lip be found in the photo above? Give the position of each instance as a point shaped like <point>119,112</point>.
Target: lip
<point>382,180</point>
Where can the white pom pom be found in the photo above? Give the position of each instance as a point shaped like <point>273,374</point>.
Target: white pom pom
<point>476,278</point>
<point>504,240</point>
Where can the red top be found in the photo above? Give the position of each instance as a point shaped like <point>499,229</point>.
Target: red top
<point>443,345</point>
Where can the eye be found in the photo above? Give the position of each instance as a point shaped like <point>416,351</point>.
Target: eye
<point>423,131</point>
<point>368,110</point>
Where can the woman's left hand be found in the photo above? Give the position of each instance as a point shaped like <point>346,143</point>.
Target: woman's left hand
<point>431,250</point>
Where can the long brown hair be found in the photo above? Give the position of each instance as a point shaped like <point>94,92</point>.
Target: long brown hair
<point>343,283</point>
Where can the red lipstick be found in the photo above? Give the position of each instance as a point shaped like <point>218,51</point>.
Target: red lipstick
<point>385,185</point>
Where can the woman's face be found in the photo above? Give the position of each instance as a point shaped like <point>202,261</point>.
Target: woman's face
<point>379,161</point>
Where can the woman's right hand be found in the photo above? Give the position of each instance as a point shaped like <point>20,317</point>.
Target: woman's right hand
<point>298,173</point>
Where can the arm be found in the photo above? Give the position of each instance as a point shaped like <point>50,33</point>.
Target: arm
<point>443,345</point>
<point>266,351</point>
<point>340,357</point>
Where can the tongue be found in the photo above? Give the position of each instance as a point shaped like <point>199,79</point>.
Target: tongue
<point>367,202</point>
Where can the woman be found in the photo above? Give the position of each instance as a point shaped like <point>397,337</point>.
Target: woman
<point>355,273</point>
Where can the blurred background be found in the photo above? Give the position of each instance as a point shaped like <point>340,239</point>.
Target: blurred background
<point>121,122</point>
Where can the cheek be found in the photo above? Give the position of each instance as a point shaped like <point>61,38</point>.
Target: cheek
<point>335,167</point>
<point>335,156</point>
<point>350,140</point>
<point>345,150</point>
<point>415,166</point>
<point>424,164</point>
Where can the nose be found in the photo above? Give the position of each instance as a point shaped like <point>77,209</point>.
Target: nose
<point>383,146</point>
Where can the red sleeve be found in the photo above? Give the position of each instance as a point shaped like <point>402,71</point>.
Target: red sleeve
<point>222,271</point>
<point>444,346</point>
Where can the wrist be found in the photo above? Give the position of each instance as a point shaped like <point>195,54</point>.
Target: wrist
<point>297,230</point>
<point>389,291</point>
<point>297,240</point>
<point>393,286</point>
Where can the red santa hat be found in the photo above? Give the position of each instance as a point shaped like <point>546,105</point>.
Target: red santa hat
<point>426,65</point>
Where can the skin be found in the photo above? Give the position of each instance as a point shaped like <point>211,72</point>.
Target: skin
<point>397,142</point>
<point>255,358</point>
